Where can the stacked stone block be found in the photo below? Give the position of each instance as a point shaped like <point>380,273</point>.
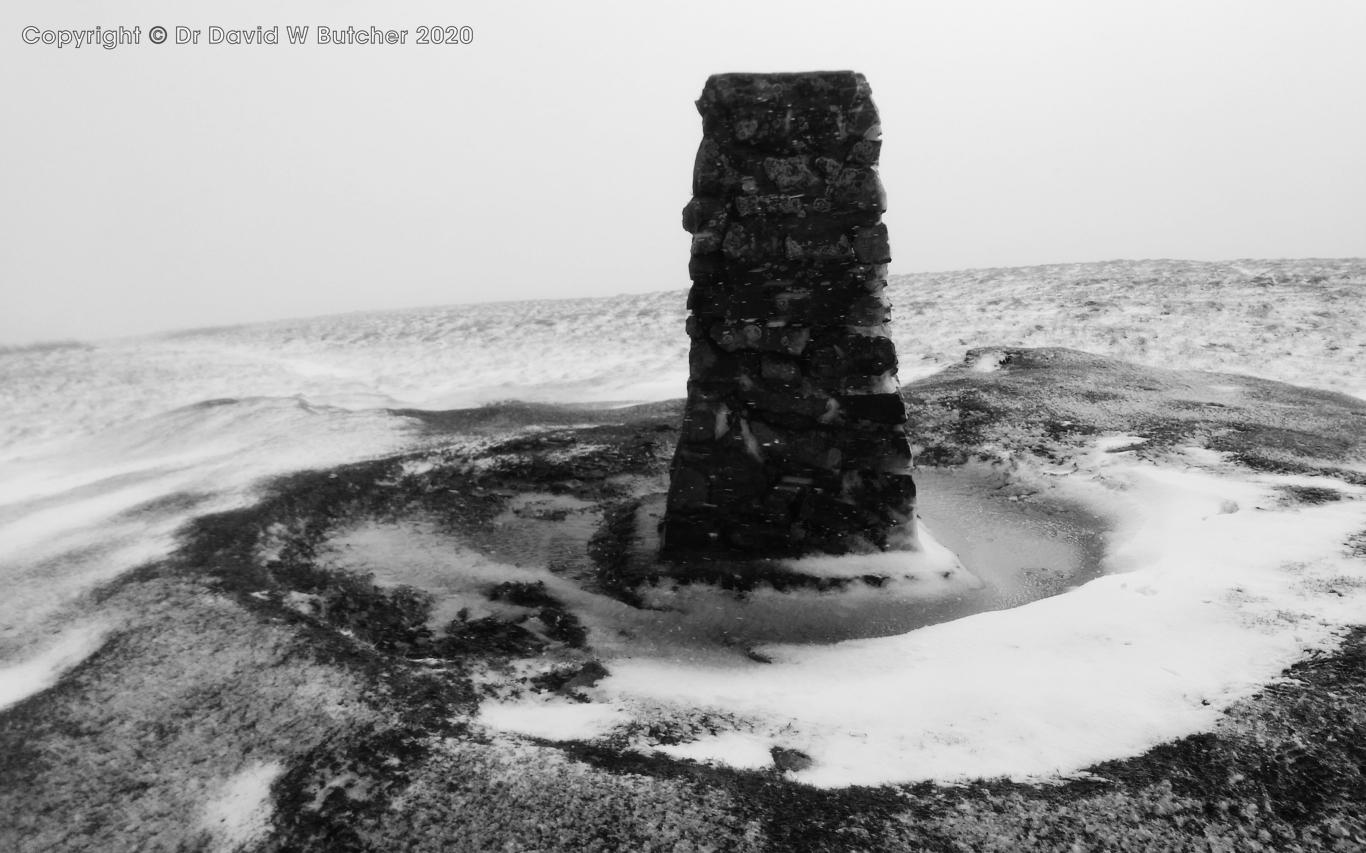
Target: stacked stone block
<point>793,439</point>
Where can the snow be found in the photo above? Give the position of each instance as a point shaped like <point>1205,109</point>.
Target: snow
<point>551,720</point>
<point>986,362</point>
<point>414,555</point>
<point>733,749</point>
<point>239,815</point>
<point>22,680</point>
<point>78,514</point>
<point>931,564</point>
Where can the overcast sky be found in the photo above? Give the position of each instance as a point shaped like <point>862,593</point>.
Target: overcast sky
<point>154,187</point>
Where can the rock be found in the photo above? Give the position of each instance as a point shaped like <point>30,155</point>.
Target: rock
<point>790,760</point>
<point>870,246</point>
<point>588,675</point>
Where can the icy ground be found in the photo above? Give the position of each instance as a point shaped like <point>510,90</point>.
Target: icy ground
<point>1215,584</point>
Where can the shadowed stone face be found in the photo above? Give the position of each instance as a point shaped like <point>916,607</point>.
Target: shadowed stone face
<point>793,439</point>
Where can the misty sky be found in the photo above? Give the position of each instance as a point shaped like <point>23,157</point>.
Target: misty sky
<point>149,187</point>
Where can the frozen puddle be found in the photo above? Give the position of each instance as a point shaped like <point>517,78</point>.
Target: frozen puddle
<point>1022,547</point>
<point>980,551</point>
<point>1012,552</point>
<point>543,529</point>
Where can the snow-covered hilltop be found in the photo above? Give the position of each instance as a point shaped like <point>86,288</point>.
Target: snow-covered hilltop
<point>1296,321</point>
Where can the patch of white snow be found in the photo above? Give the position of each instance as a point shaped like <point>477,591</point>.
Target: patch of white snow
<point>239,816</point>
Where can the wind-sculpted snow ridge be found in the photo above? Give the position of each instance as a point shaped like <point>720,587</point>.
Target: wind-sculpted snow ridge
<point>83,514</point>
<point>1295,321</point>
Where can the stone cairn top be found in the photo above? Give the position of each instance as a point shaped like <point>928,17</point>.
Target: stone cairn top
<point>793,437</point>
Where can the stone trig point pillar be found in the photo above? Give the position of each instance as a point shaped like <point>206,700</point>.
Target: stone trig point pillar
<point>793,439</point>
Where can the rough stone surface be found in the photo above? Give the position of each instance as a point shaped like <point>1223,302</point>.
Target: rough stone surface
<point>793,438</point>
